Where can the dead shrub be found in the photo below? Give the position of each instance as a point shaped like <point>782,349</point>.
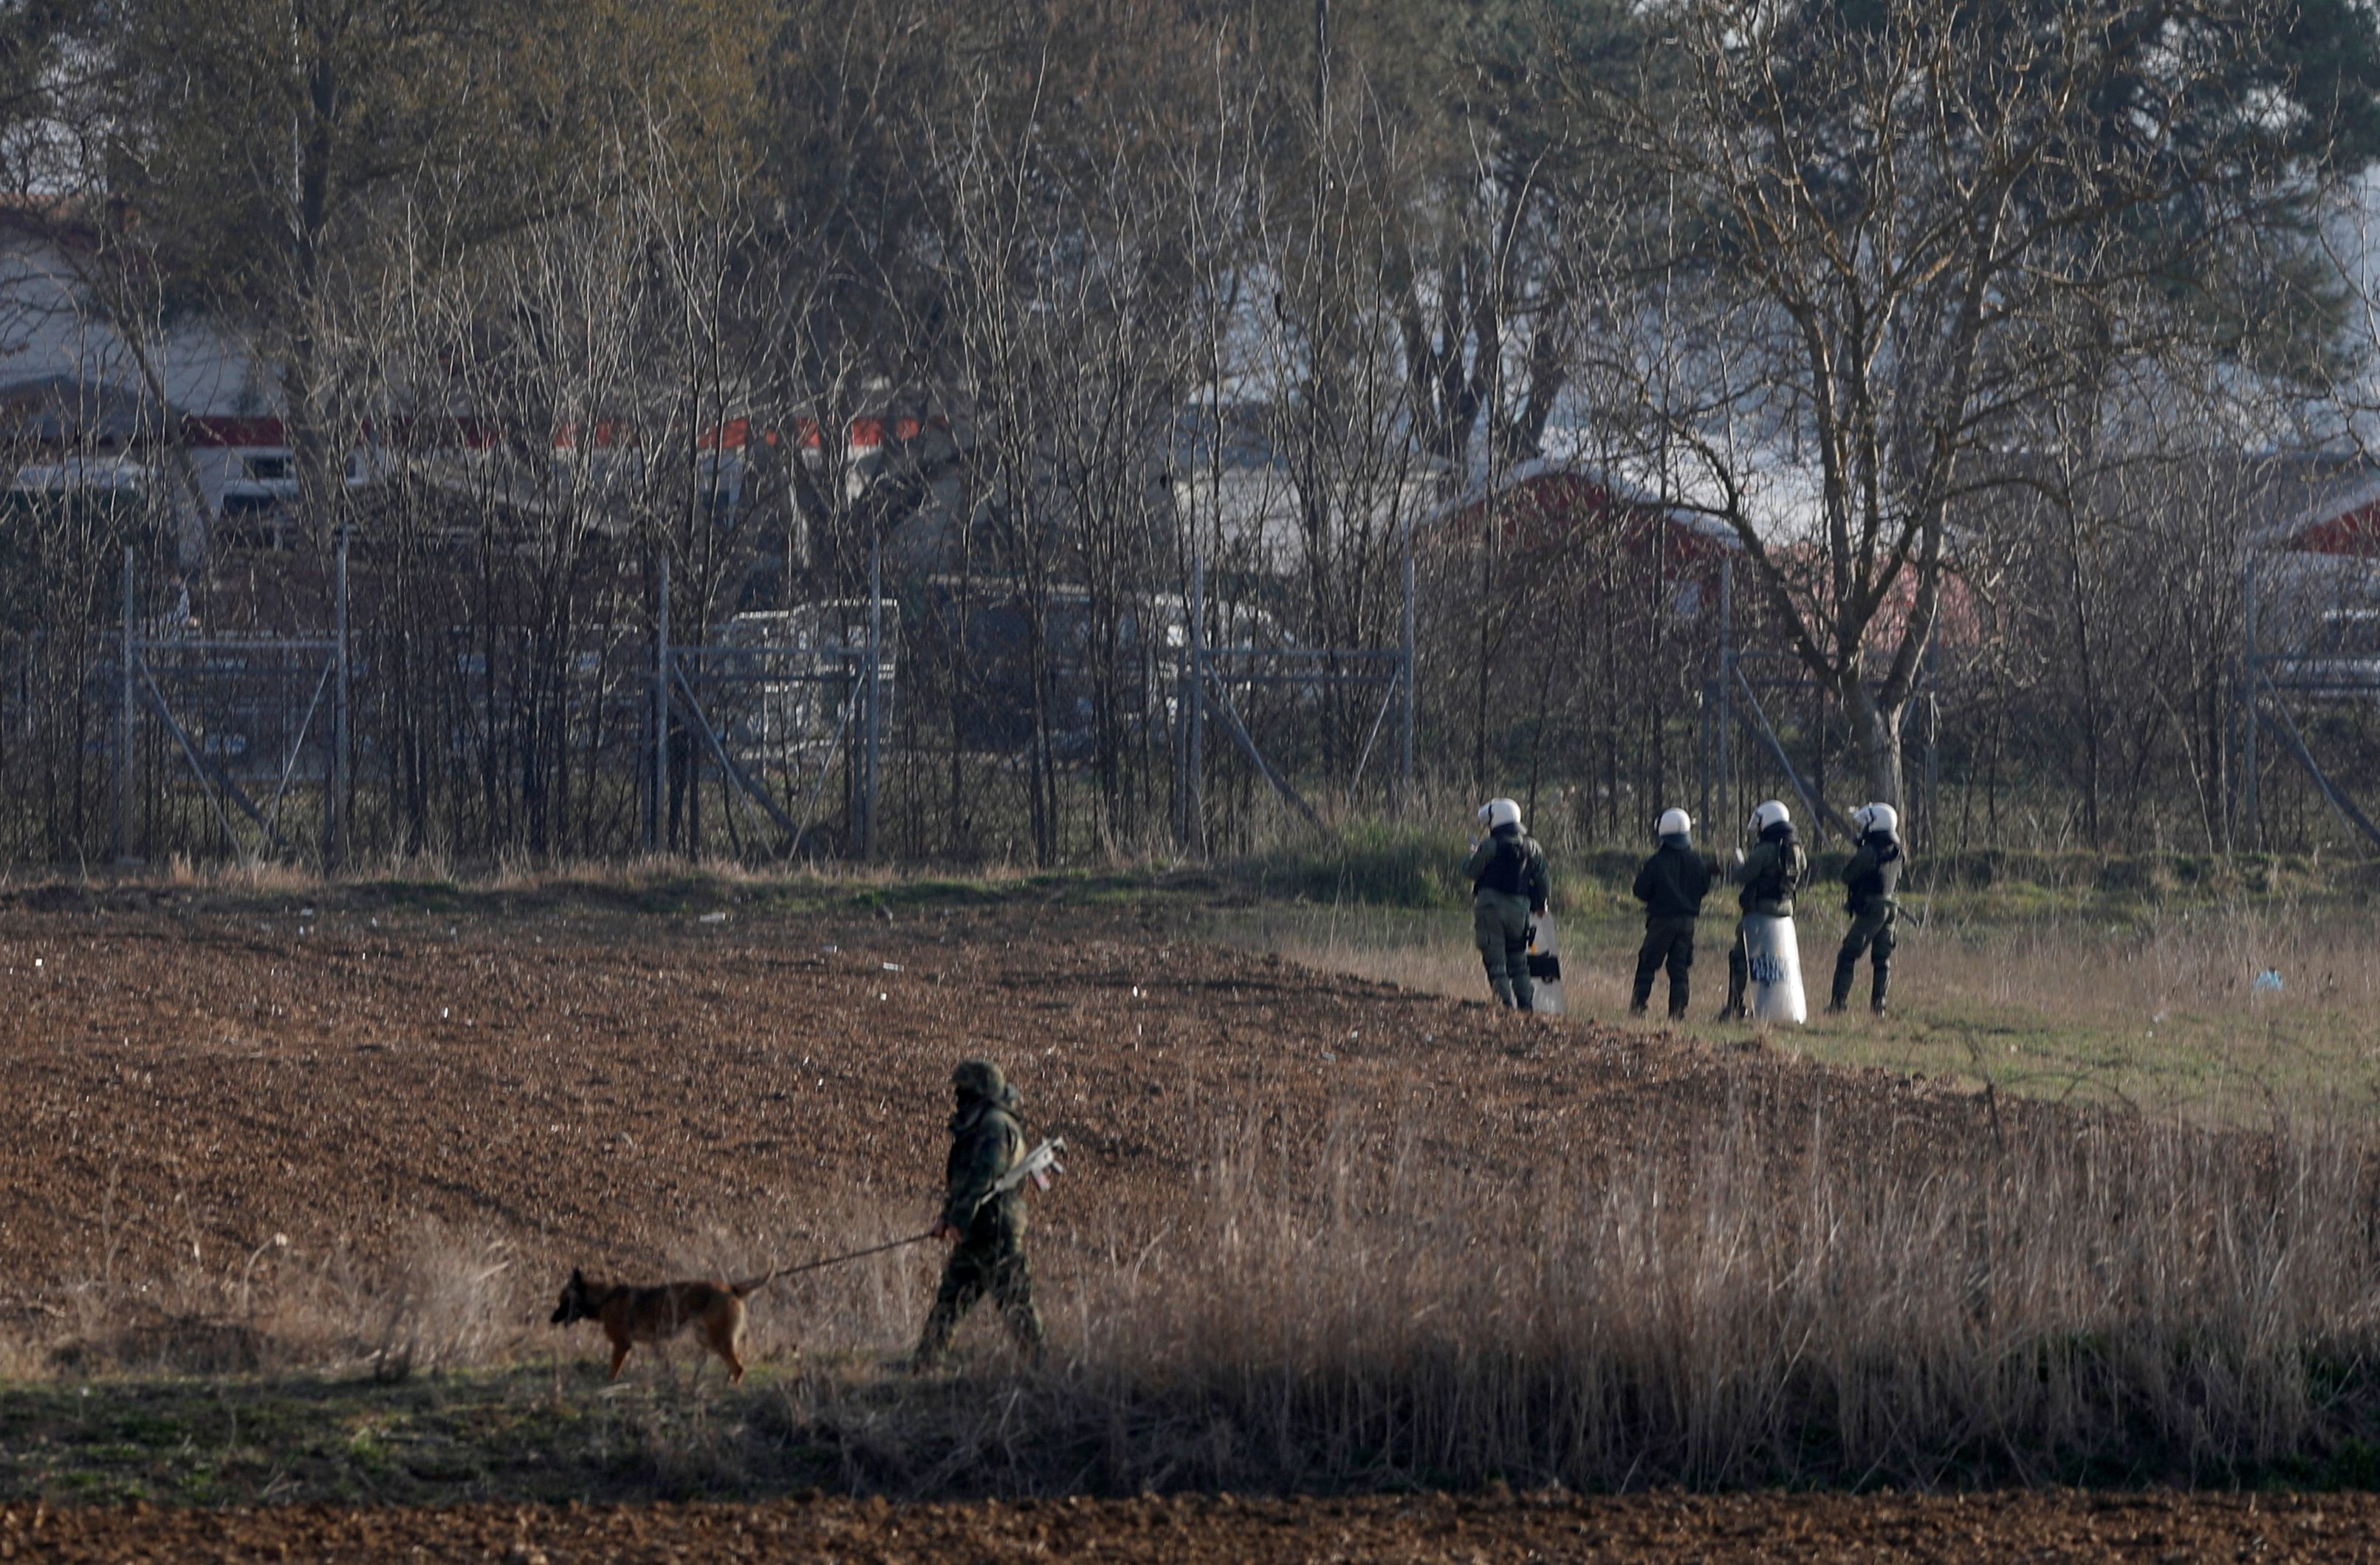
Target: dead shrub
<point>451,1300</point>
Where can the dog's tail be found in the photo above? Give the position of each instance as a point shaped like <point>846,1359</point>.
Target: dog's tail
<point>746,1287</point>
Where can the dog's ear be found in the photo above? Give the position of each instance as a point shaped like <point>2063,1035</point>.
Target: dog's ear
<point>575,1278</point>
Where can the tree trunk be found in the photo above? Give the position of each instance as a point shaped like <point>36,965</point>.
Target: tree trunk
<point>1877,728</point>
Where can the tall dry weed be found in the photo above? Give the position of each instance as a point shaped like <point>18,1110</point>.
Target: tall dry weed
<point>2075,1298</point>
<point>2094,1299</point>
<point>451,1299</point>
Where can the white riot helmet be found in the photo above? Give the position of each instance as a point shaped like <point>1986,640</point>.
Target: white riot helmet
<point>1499,812</point>
<point>1673,823</point>
<point>1876,817</point>
<point>1771,812</point>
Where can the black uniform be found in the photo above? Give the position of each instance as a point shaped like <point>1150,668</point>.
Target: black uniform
<point>1870,883</point>
<point>1671,885</point>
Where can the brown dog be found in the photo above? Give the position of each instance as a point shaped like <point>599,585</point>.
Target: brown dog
<point>630,1315</point>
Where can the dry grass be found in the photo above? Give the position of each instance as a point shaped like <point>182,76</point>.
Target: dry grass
<point>516,874</point>
<point>448,1299</point>
<point>2086,1295</point>
<point>2156,1008</point>
<point>2165,1010</point>
<point>2095,1298</point>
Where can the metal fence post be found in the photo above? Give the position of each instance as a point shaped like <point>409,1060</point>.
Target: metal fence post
<point>124,721</point>
<point>868,778</point>
<point>334,797</point>
<point>2251,813</point>
<point>1933,745</point>
<point>1405,761</point>
<point>1705,717</point>
<point>1194,802</point>
<point>1180,733</point>
<point>657,826</point>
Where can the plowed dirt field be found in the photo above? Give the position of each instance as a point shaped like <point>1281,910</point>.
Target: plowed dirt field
<point>608,1089</point>
<point>209,1096</point>
<point>2154,1529</point>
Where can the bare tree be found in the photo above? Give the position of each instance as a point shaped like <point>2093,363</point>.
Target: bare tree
<point>1873,235</point>
<point>1066,291</point>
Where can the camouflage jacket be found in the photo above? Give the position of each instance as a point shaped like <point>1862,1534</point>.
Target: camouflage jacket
<point>1772,872</point>
<point>1873,876</point>
<point>985,1142</point>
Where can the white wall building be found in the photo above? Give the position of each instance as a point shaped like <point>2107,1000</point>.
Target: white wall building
<point>70,382</point>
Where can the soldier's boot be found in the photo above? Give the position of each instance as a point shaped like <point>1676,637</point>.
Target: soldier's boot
<point>1846,968</point>
<point>1501,986</point>
<point>1024,1325</point>
<point>1738,977</point>
<point>1881,986</point>
<point>1525,989</point>
<point>963,1283</point>
<point>1678,988</point>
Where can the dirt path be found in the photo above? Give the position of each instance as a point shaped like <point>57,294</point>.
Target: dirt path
<point>2046,1526</point>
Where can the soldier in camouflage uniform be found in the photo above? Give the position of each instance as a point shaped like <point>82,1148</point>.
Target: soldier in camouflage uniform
<point>1870,883</point>
<point>1509,884</point>
<point>1768,879</point>
<point>986,1228</point>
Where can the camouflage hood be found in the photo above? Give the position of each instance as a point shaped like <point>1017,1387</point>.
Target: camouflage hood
<point>980,1085</point>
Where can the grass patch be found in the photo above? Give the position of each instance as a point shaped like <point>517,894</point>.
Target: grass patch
<point>525,1433</point>
<point>2059,995</point>
<point>1373,863</point>
<point>650,891</point>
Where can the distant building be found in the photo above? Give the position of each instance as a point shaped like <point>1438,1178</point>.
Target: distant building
<point>52,329</point>
<point>1547,508</point>
<point>2332,512</point>
<point>2318,566</point>
<point>72,387</point>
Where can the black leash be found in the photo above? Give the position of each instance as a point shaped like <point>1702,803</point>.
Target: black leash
<point>853,1255</point>
<point>1036,1165</point>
